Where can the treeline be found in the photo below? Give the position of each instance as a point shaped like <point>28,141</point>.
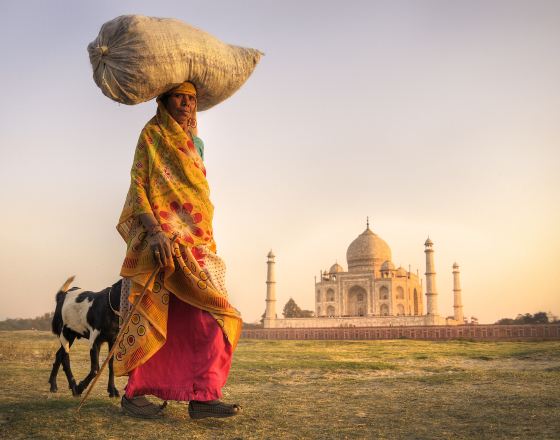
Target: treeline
<point>44,323</point>
<point>291,310</point>
<point>527,318</point>
<point>38,323</point>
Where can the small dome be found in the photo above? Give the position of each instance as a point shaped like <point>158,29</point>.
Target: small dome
<point>401,272</point>
<point>428,242</point>
<point>388,265</point>
<point>336,268</point>
<point>366,251</point>
<point>455,265</point>
<point>270,254</point>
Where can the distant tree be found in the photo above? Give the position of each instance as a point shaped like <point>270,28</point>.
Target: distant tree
<point>505,321</point>
<point>527,318</point>
<point>540,318</point>
<point>291,309</point>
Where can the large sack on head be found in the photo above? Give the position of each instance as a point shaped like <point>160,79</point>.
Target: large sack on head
<point>136,58</point>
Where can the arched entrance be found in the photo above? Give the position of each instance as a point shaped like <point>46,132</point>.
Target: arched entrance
<point>356,301</point>
<point>384,309</point>
<point>383,293</point>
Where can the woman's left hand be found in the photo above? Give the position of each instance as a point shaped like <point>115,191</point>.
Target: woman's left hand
<point>161,248</point>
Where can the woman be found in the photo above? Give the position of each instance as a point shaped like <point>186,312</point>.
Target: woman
<point>181,338</point>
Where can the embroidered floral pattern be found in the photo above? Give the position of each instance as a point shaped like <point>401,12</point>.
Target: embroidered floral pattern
<point>181,219</point>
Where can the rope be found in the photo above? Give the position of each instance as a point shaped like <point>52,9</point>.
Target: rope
<point>109,301</point>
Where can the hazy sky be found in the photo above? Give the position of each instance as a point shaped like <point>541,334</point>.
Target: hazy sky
<point>431,117</point>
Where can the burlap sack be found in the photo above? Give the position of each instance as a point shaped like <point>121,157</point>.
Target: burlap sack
<point>136,58</point>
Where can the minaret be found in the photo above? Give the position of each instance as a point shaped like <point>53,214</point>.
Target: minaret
<point>431,291</point>
<point>457,303</point>
<point>270,312</point>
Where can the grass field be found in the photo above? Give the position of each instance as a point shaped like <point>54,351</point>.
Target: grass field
<point>310,389</point>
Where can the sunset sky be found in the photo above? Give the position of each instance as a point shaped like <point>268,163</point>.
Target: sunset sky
<point>437,118</point>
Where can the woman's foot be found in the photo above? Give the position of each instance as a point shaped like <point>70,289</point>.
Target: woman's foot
<point>212,408</point>
<point>141,407</point>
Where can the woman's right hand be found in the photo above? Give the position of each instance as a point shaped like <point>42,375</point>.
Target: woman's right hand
<point>161,248</point>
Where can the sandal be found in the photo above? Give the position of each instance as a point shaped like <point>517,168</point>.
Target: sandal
<point>214,408</point>
<point>142,408</point>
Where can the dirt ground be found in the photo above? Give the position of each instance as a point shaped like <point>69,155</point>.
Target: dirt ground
<point>398,389</point>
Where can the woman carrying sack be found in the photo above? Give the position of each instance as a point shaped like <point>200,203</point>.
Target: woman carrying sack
<point>180,341</point>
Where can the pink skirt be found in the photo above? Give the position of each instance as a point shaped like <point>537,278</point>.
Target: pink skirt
<point>194,362</point>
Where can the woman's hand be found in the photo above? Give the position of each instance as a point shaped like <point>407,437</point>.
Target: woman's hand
<point>158,241</point>
<point>161,248</point>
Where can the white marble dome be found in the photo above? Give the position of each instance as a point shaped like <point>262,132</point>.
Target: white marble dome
<point>366,251</point>
<point>336,268</point>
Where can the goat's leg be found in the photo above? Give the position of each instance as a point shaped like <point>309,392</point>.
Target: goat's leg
<point>111,389</point>
<point>56,365</point>
<point>94,359</point>
<point>66,365</point>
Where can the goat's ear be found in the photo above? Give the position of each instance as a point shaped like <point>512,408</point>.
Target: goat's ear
<point>66,284</point>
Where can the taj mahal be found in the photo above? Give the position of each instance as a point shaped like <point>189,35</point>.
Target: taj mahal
<point>371,293</point>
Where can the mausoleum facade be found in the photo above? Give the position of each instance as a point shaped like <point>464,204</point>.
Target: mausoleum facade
<point>372,292</point>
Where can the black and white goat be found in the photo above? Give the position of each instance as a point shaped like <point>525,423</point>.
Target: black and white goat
<point>90,315</point>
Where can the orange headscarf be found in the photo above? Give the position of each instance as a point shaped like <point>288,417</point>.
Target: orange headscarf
<point>186,88</point>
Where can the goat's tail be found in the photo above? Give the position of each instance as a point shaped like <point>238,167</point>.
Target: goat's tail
<point>66,285</point>
<point>57,323</point>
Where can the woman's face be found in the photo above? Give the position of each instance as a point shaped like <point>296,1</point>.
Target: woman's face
<point>180,107</point>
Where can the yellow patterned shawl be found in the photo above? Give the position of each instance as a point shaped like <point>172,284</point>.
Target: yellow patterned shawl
<point>168,179</point>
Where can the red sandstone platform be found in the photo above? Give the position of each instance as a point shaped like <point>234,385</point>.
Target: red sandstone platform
<point>490,332</point>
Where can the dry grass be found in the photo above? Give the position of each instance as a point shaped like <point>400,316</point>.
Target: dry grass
<point>311,389</point>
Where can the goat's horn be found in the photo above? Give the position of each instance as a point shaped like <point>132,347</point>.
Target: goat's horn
<point>66,284</point>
